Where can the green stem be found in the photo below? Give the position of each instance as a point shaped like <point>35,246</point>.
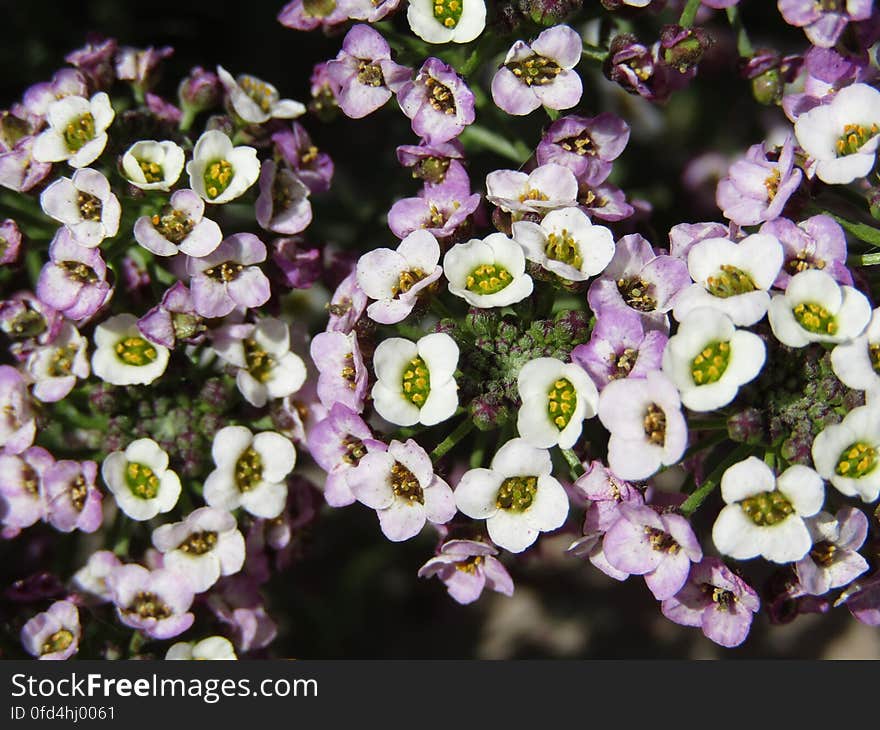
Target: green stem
<point>478,136</point>
<point>689,13</point>
<point>187,117</point>
<point>594,53</point>
<point>462,430</point>
<point>693,502</point>
<point>743,44</point>
<point>867,259</point>
<point>574,464</point>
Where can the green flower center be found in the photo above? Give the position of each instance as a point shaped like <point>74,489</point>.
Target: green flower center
<point>59,641</point>
<point>79,272</point>
<point>729,282</point>
<point>562,247</point>
<point>225,272</point>
<point>635,292</point>
<point>416,382</point>
<point>248,470</point>
<point>854,137</point>
<point>258,91</point>
<point>153,171</point>
<point>173,224</point>
<point>218,175</point>
<point>141,480</point>
<point>405,485</point>
<point>62,361</point>
<point>199,543</point>
<point>535,70</point>
<point>370,74</point>
<point>148,605</point>
<point>581,144</point>
<point>432,169</point>
<point>440,96</point>
<point>406,281</point>
<point>710,364</point>
<point>488,279</point>
<point>259,362</point>
<point>767,508</point>
<point>79,132</point>
<point>815,318</point>
<point>856,460</point>
<point>874,354</point>
<point>662,541</point>
<point>448,12</point>
<point>561,402</point>
<point>186,326</point>
<point>654,425</point>
<point>516,494</point>
<point>90,206</point>
<point>319,8</point>
<point>135,351</point>
<point>28,323</point>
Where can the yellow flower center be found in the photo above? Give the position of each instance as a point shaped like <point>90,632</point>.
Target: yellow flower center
<point>416,382</point>
<point>856,460</point>
<point>79,132</point>
<point>767,508</point>
<point>135,351</point>
<point>815,318</point>
<point>488,279</point>
<point>561,402</point>
<point>405,485</point>
<point>710,364</point>
<point>448,12</point>
<point>517,493</point>
<point>729,282</point>
<point>141,480</point>
<point>218,175</point>
<point>248,470</point>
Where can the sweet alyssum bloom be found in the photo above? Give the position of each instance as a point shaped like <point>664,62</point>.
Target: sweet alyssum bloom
<point>566,243</point>
<point>833,561</point>
<point>123,357</point>
<point>732,278</point>
<point>415,381</point>
<point>517,495</point>
<point>85,204</point>
<point>174,319</point>
<point>21,490</point>
<point>817,242</point>
<point>74,280</point>
<point>283,205</point>
<point>250,471</point>
<point>140,480</point>
<point>544,189</point>
<point>77,130</point>
<point>395,279</point>
<point>438,101</point>
<point>401,486</point>
<point>10,241</point>
<point>447,21</point>
<point>841,136</point>
<point>857,363</point>
<point>256,101</point>
<point>152,165</point>
<point>342,374</point>
<point>540,73</point>
<point>220,172</point>
<point>708,359</point>
<point>156,602</point>
<point>488,273</point>
<point>765,514</point>
<point>181,227</point>
<point>846,453</point>
<point>18,424</point>
<point>646,424</point>
<point>53,634</point>
<point>91,579</point>
<point>823,22</point>
<point>556,398</point>
<point>466,567</point>
<point>815,308</point>
<point>202,548</point>
<point>73,502</point>
<point>213,648</point>
<point>440,209</point>
<point>586,145</point>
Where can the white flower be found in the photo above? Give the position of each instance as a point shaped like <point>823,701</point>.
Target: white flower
<point>122,355</point>
<point>202,548</point>
<point>566,243</point>
<point>708,359</point>
<point>255,101</point>
<point>517,496</point>
<point>214,647</point>
<point>764,513</point>
<point>842,136</point>
<point>396,278</point>
<point>488,273</point>
<point>556,398</point>
<point>266,366</point>
<point>815,308</point>
<point>447,21</point>
<point>250,472</point>
<point>91,579</point>
<point>151,165</point>
<point>545,188</point>
<point>414,380</point>
<point>55,368</point>
<point>219,172</point>
<point>732,277</point>
<point>846,453</point>
<point>77,130</point>
<point>85,204</point>
<point>140,480</point>
<point>857,363</point>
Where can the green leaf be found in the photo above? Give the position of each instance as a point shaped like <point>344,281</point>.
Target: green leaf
<point>862,231</point>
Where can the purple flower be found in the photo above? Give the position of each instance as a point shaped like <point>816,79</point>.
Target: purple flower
<point>74,282</point>
<point>139,66</point>
<point>19,170</point>
<point>826,73</point>
<point>10,241</point>
<point>833,561</point>
<point>313,167</point>
<point>17,423</point>
<point>585,145</point>
<point>228,277</point>
<point>541,73</point>
<point>28,323</point>
<point>605,202</point>
<point>236,602</point>
<point>659,546</point>
<point>300,266</point>
<point>684,236</point>
<point>66,82</point>
<point>370,10</point>
<point>432,162</point>
<point>619,347</point>
<point>438,209</point>
<point>95,60</point>
<point>21,494</point>
<point>173,319</point>
<point>180,228</point>
<point>346,305</point>
<point>544,189</point>
<point>73,502</point>
<point>55,368</point>
<point>715,599</point>
<point>757,188</point>
<point>343,375</point>
<point>824,22</point>
<point>199,90</point>
<point>815,243</point>
<point>311,14</point>
<point>53,634</point>
<point>283,204</point>
<point>155,602</point>
<point>641,280</point>
<point>637,68</point>
<point>363,76</point>
<point>467,567</point>
<point>438,102</point>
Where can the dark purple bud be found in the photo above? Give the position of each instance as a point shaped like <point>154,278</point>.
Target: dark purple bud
<point>200,90</point>
<point>300,267</point>
<point>746,427</point>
